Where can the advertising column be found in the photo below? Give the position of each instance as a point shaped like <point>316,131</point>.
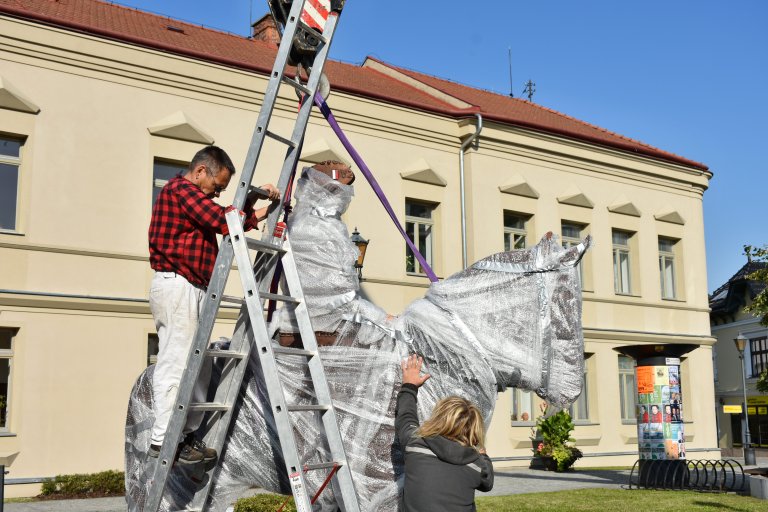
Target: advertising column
<point>660,434</point>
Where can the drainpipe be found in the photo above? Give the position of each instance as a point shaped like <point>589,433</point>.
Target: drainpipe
<point>464,146</point>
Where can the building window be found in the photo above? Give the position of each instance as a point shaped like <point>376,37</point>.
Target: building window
<point>10,161</point>
<point>515,230</point>
<point>419,224</point>
<point>667,267</point>
<point>627,388</point>
<point>579,409</point>
<point>153,348</point>
<point>522,406</point>
<point>6,363</point>
<point>164,170</point>
<point>758,353</point>
<point>621,263</point>
<point>571,234</point>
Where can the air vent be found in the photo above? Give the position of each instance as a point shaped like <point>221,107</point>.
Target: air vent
<point>175,29</point>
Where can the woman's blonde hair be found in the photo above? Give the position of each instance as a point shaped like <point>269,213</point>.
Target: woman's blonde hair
<point>457,419</point>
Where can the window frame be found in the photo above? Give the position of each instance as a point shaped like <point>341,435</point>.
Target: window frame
<point>419,223</point>
<point>159,183</point>
<point>14,162</point>
<point>514,234</point>
<point>8,354</point>
<point>627,406</point>
<point>758,353</point>
<point>570,241</point>
<point>517,409</point>
<point>665,256</point>
<point>618,251</point>
<point>583,401</point>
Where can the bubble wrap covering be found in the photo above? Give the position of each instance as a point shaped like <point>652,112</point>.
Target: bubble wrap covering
<point>512,319</point>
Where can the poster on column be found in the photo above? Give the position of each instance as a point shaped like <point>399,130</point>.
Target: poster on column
<point>659,413</point>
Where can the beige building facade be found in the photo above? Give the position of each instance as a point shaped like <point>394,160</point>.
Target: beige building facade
<point>728,322</point>
<point>91,122</point>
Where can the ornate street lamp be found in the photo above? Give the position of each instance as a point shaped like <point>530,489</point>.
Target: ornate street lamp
<point>361,244</point>
<point>749,453</point>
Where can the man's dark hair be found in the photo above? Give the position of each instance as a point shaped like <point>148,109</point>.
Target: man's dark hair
<point>214,159</point>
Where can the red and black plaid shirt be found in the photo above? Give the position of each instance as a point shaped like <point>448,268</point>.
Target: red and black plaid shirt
<point>182,233</point>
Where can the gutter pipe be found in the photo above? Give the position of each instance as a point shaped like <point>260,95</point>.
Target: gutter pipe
<point>464,146</point>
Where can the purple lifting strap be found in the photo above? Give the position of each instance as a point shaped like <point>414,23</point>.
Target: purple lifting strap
<point>326,110</point>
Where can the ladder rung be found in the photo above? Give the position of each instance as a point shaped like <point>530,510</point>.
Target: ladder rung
<point>296,85</point>
<point>282,298</point>
<point>231,354</point>
<point>293,351</point>
<point>299,408</point>
<point>263,246</point>
<point>287,142</point>
<point>232,299</point>
<point>312,31</point>
<point>208,406</point>
<point>322,465</point>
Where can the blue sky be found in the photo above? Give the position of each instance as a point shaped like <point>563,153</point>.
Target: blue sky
<point>689,77</point>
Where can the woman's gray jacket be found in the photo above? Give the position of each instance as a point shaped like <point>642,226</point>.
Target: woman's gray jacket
<point>440,475</point>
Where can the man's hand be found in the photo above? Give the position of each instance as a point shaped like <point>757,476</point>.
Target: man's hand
<point>274,194</point>
<point>267,191</point>
<point>411,367</point>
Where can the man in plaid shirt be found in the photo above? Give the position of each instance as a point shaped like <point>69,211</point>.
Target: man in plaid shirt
<point>182,251</point>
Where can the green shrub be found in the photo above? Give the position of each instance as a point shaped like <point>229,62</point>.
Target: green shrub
<point>105,482</point>
<point>264,503</point>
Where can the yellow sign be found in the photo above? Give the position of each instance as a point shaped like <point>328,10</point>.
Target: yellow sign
<point>731,409</point>
<point>751,410</point>
<point>757,400</point>
<point>762,410</point>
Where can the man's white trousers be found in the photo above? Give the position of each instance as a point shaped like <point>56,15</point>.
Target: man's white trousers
<point>175,306</point>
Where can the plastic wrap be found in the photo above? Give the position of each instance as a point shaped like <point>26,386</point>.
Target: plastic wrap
<point>512,319</point>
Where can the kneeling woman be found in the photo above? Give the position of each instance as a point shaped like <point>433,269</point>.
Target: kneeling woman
<point>445,459</point>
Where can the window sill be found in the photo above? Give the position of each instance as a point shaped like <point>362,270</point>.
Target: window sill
<point>628,295</point>
<point>7,434</point>
<point>585,423</point>
<point>11,232</point>
<point>673,299</point>
<point>416,274</point>
<point>629,422</point>
<point>527,424</point>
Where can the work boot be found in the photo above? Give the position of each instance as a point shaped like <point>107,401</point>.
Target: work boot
<point>208,454</point>
<point>186,454</point>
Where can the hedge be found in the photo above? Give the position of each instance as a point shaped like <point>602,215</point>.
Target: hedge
<point>264,503</point>
<point>103,483</point>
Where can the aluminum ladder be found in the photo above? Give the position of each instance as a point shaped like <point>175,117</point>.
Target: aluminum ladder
<point>251,329</point>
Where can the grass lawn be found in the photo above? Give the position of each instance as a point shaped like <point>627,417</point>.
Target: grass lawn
<point>602,500</point>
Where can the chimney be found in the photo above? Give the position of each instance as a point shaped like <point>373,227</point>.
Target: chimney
<point>265,30</point>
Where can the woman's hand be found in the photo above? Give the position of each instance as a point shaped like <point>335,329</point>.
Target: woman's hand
<point>411,367</point>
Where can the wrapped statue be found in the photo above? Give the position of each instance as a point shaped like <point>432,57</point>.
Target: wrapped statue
<point>512,319</point>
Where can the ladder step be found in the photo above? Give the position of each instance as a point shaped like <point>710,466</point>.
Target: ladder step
<point>300,408</point>
<point>296,85</point>
<point>230,354</point>
<point>293,351</point>
<point>208,406</point>
<point>322,465</point>
<point>312,31</point>
<point>232,299</point>
<point>282,298</point>
<point>287,142</point>
<point>263,246</point>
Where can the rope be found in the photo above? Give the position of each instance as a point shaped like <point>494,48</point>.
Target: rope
<point>326,111</point>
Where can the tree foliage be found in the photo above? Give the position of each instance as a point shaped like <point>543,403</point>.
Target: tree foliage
<point>759,305</point>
